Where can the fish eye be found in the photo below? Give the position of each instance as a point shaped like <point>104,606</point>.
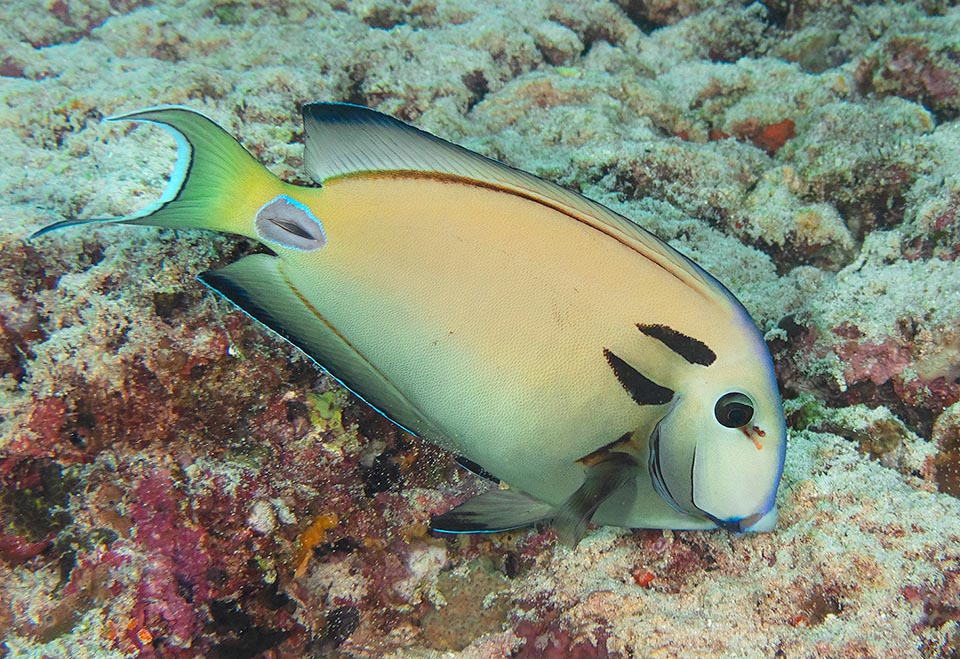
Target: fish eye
<point>734,410</point>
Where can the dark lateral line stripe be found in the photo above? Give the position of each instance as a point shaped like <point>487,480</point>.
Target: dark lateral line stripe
<point>611,231</point>
<point>694,351</point>
<point>642,390</point>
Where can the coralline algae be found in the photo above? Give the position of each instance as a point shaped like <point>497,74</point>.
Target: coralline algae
<point>177,483</point>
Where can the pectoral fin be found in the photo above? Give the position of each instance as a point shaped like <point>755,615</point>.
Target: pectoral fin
<point>493,511</point>
<point>603,478</point>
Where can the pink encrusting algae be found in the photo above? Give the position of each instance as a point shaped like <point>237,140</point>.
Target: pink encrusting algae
<point>177,483</point>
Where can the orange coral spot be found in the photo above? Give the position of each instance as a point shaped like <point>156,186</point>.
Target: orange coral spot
<point>406,460</point>
<point>415,532</point>
<point>643,577</point>
<point>144,636</point>
<point>717,134</point>
<point>374,543</point>
<point>772,137</point>
<point>312,536</point>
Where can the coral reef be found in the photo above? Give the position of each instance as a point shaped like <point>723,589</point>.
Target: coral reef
<point>178,483</point>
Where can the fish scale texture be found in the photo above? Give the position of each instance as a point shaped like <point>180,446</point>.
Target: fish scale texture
<point>177,483</point>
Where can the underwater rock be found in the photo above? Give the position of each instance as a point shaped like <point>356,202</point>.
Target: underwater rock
<point>169,468</point>
<point>920,67</point>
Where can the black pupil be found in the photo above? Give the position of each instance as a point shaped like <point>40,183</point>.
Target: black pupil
<point>734,410</point>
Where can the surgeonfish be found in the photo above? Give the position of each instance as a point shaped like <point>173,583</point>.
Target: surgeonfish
<point>592,369</point>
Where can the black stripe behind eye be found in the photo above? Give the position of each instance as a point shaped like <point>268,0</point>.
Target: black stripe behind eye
<point>642,390</point>
<point>694,351</point>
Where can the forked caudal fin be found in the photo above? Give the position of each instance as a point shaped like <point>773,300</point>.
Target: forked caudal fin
<point>216,184</point>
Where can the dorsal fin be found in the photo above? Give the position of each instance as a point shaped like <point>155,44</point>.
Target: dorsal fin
<point>349,140</point>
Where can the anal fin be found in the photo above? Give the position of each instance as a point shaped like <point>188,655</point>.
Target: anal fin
<point>493,511</point>
<point>258,286</point>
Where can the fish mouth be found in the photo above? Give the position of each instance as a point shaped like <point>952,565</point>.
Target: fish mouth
<point>656,473</point>
<point>735,525</point>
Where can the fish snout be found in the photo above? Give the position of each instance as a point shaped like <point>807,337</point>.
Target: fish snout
<point>756,523</point>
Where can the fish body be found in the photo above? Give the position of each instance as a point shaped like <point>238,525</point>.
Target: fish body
<point>543,337</point>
